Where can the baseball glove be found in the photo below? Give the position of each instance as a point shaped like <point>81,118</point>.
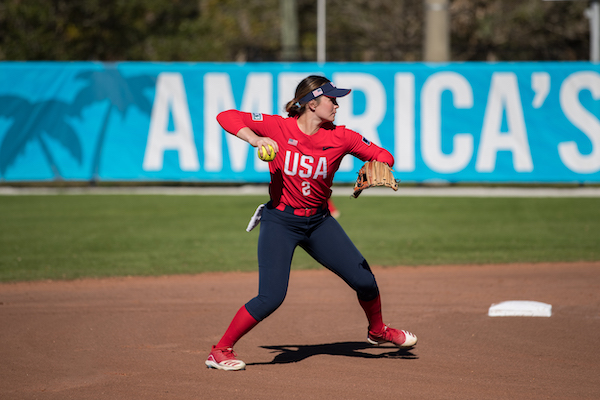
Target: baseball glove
<point>374,173</point>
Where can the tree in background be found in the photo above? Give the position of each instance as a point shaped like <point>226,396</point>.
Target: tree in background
<point>376,30</point>
<point>139,30</point>
<point>249,30</point>
<point>517,30</point>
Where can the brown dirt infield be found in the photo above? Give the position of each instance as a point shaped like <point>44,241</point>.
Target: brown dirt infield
<point>147,338</point>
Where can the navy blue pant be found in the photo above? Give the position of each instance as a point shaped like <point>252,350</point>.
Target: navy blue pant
<point>323,238</point>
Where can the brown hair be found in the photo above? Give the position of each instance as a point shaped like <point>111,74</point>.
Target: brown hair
<point>308,84</point>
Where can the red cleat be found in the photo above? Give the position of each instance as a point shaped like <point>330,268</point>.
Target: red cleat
<point>402,339</point>
<point>224,358</point>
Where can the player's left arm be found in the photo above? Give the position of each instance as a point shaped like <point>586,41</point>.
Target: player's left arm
<point>374,172</point>
<point>365,150</point>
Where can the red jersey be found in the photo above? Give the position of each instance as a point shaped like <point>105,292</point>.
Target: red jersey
<point>302,173</point>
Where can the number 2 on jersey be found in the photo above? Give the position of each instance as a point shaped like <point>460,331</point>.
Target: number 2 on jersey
<point>306,188</point>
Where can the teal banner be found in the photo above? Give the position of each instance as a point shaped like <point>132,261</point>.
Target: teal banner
<point>455,122</point>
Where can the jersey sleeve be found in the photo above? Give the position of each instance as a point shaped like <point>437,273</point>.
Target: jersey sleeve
<point>233,120</point>
<point>365,150</point>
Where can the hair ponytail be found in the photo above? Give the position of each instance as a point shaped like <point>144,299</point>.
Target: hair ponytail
<point>293,108</point>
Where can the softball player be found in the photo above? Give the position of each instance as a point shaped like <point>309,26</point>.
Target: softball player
<point>309,151</point>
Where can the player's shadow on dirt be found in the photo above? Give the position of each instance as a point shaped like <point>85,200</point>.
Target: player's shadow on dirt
<point>295,353</point>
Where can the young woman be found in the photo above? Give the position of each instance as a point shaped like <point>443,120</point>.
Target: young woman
<point>309,151</point>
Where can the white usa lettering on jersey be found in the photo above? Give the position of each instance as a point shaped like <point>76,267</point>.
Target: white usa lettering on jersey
<point>304,166</point>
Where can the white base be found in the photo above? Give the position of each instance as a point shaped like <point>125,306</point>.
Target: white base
<point>520,308</point>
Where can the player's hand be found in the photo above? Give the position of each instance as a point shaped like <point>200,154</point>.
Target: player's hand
<point>249,136</point>
<point>266,142</point>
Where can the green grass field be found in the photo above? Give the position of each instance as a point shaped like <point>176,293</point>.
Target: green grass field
<point>67,237</point>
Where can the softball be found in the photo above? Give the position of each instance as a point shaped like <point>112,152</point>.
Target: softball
<point>264,155</point>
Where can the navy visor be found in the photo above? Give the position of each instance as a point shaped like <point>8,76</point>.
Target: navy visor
<point>327,89</point>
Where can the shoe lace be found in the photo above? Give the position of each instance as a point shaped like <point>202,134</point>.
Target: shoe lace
<point>388,333</point>
<point>227,352</point>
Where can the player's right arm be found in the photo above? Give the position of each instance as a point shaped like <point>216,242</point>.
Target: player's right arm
<point>245,126</point>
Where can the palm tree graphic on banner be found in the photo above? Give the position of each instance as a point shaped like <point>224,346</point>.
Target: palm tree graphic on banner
<point>121,92</point>
<point>30,122</point>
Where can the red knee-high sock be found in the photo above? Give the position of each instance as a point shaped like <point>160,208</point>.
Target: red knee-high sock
<point>241,324</point>
<point>373,311</point>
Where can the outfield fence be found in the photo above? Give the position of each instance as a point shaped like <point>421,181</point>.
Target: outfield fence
<point>153,122</point>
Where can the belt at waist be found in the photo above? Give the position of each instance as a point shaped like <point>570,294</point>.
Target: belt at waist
<point>301,212</point>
